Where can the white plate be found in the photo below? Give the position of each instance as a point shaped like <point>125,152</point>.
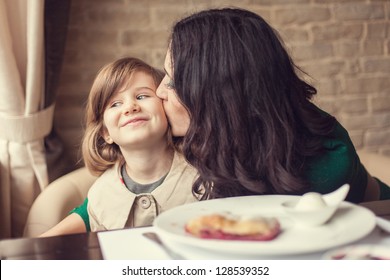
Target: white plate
<point>359,252</point>
<point>350,223</point>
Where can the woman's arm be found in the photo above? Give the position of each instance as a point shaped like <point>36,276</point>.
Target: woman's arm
<point>372,190</point>
<point>73,223</point>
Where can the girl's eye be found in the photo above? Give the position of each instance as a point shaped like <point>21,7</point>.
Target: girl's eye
<point>142,96</point>
<point>115,104</point>
<point>170,84</point>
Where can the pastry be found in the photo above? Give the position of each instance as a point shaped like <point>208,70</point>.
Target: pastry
<point>218,226</point>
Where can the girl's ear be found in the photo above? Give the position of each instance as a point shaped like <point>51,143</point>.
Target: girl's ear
<point>107,137</point>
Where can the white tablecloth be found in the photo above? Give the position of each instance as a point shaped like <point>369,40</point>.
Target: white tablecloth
<point>130,244</point>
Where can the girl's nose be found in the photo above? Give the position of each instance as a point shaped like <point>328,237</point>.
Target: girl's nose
<point>131,107</point>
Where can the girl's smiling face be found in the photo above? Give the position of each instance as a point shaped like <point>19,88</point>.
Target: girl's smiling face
<point>134,117</point>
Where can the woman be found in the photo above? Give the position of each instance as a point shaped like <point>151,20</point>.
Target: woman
<point>235,96</point>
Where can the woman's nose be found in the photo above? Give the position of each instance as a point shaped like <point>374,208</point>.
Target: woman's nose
<point>160,92</point>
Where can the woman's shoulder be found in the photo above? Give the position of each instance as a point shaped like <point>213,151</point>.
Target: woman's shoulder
<point>338,164</point>
<point>338,151</point>
<point>338,140</point>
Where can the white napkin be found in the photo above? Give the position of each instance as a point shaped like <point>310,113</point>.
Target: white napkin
<point>129,244</point>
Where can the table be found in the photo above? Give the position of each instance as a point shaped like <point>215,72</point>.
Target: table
<point>83,246</point>
<point>86,246</point>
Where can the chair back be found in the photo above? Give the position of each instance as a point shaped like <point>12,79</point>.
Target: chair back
<point>56,200</point>
<point>377,165</point>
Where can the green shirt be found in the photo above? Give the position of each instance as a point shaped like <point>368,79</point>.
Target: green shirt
<point>340,164</point>
<point>83,212</point>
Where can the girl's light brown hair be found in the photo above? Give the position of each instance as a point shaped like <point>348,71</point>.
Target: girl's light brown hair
<point>98,155</point>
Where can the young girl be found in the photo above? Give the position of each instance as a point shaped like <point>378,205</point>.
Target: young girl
<point>127,143</point>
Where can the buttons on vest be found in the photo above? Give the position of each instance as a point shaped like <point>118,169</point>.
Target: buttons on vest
<point>144,202</point>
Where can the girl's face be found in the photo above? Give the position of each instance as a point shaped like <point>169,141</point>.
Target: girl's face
<point>134,117</point>
<point>177,114</point>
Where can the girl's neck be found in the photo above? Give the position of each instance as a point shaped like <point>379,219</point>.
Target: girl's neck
<point>148,165</point>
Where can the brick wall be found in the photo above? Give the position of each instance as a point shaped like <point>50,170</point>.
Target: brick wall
<point>343,44</point>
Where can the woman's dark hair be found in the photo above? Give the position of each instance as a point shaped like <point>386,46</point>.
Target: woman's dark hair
<point>252,122</point>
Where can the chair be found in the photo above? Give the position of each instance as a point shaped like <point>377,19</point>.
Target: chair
<point>376,164</point>
<point>54,202</point>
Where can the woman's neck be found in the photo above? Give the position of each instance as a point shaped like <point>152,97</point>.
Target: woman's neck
<point>148,165</point>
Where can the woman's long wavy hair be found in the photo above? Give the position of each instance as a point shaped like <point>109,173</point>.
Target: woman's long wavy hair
<point>98,156</point>
<point>253,125</point>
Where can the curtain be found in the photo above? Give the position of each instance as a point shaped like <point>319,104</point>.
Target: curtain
<point>26,112</point>
<point>56,26</point>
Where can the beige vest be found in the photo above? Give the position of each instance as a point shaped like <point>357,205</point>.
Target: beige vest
<point>112,206</point>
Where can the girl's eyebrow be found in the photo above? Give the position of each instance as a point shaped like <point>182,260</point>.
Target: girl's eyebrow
<point>137,89</point>
<point>141,88</point>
